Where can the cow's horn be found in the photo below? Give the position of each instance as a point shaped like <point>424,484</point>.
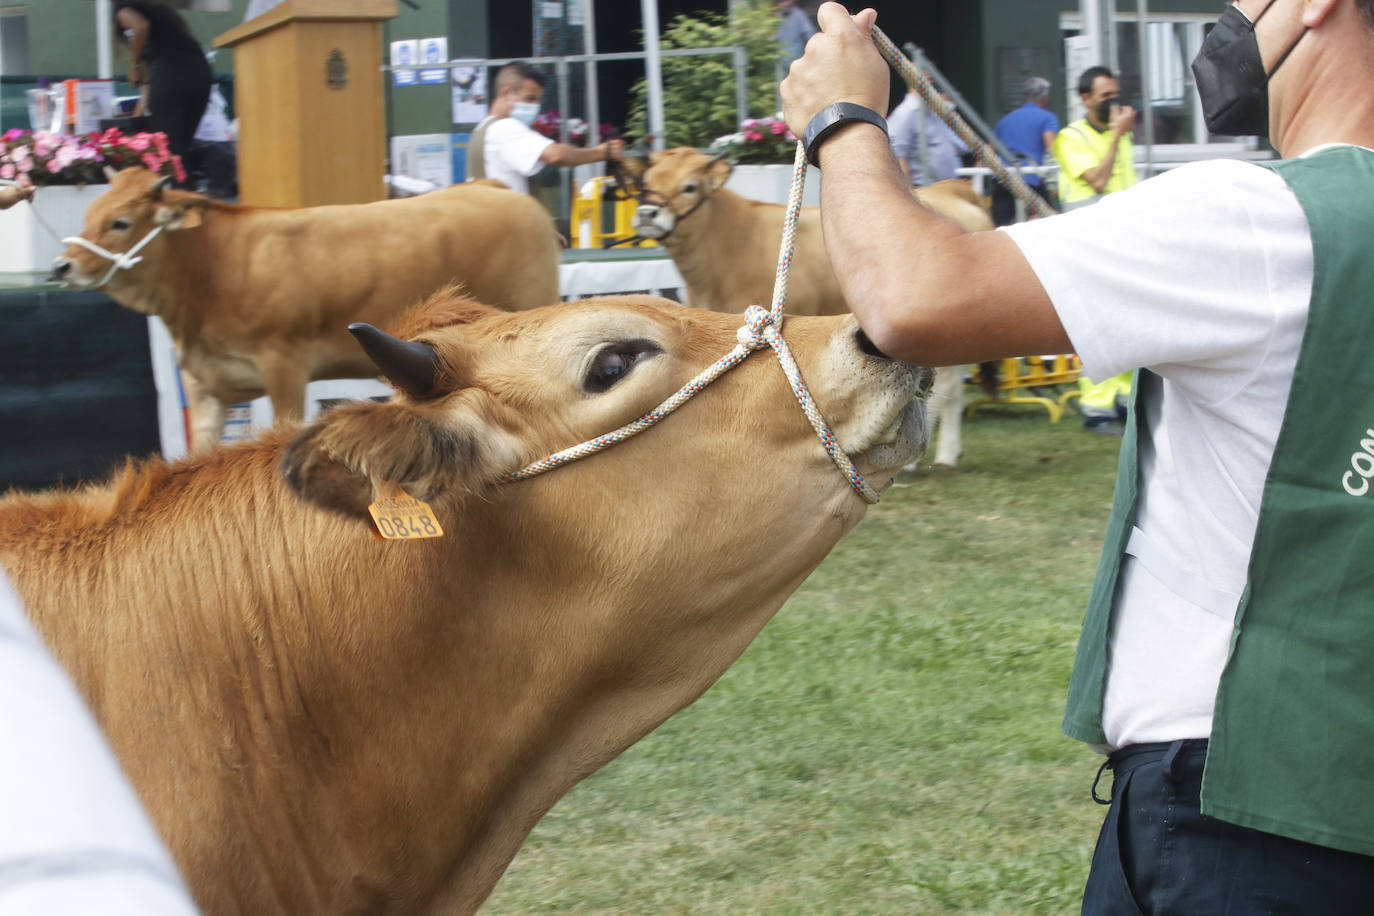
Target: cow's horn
<point>161,185</point>
<point>410,366</point>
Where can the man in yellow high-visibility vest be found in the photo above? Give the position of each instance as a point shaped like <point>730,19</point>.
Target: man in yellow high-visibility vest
<point>1095,153</point>
<point>1096,158</point>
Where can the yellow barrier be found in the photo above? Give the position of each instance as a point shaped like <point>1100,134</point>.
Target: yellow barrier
<point>587,221</point>
<point>1033,372</point>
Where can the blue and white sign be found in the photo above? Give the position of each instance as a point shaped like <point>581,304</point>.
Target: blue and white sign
<point>405,53</point>
<point>433,51</point>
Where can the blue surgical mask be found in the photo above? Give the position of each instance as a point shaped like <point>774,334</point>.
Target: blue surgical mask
<point>524,112</point>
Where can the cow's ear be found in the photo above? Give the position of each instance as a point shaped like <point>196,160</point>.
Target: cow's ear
<point>171,217</point>
<point>634,166</point>
<point>450,449</point>
<point>717,173</point>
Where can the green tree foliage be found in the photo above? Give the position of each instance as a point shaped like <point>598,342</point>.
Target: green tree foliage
<point>699,92</point>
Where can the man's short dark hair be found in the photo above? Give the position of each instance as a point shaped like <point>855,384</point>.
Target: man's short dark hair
<point>1090,75</point>
<point>515,74</point>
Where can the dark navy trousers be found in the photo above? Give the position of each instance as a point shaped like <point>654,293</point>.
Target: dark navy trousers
<point>1158,855</point>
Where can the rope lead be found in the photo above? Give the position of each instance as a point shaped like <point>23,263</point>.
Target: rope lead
<point>760,329</point>
<point>919,83</point>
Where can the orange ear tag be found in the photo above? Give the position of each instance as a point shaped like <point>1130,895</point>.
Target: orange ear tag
<point>398,516</point>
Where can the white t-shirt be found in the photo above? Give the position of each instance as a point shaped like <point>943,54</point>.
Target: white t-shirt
<point>73,838</point>
<point>1202,275</point>
<point>511,151</point>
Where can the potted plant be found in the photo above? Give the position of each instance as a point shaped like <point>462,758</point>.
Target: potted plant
<point>69,171</point>
<point>763,151</point>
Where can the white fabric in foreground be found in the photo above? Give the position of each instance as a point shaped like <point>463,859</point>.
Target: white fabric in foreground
<point>73,838</point>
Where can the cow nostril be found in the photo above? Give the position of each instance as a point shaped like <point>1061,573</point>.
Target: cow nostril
<point>867,345</point>
<point>61,269</point>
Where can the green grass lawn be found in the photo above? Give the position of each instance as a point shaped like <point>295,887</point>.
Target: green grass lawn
<point>890,743</point>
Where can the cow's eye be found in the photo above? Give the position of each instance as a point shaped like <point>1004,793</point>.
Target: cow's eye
<point>689,187</point>
<point>120,224</point>
<point>614,363</point>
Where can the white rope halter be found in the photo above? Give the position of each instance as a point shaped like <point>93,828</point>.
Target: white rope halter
<point>761,329</point>
<point>119,260</point>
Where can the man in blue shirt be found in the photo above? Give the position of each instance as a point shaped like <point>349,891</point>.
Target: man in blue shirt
<point>1027,132</point>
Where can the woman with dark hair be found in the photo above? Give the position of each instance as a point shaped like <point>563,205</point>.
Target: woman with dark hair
<point>165,56</point>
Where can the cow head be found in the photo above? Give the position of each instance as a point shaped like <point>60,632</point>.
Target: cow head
<point>137,203</point>
<point>672,185</point>
<point>483,393</point>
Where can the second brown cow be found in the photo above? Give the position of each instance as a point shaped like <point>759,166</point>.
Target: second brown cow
<point>258,301</point>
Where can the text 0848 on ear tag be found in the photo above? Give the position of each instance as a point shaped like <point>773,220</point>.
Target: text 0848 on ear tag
<point>398,516</point>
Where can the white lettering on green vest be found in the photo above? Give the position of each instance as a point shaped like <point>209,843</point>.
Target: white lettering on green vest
<point>1362,463</point>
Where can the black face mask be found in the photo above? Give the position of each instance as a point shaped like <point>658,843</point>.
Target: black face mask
<point>1104,110</point>
<point>1230,77</point>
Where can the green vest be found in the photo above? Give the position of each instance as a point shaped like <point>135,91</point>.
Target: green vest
<point>1292,743</point>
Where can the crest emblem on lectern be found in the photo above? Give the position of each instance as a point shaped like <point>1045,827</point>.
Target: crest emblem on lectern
<point>336,70</point>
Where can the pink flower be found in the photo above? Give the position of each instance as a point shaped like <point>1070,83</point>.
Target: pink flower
<point>152,162</point>
<point>177,170</point>
<point>138,142</point>
<point>7,171</point>
<point>778,128</point>
<point>753,135</point>
<point>11,135</point>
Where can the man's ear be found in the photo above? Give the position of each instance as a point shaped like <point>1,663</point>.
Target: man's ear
<point>451,448</point>
<point>1315,11</point>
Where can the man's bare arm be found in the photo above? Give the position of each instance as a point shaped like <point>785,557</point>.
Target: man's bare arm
<point>923,289</point>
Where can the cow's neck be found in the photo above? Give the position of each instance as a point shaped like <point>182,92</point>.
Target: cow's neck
<point>183,273</point>
<point>407,727</point>
<point>719,266</point>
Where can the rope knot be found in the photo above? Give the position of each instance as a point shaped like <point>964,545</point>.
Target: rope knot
<point>759,329</point>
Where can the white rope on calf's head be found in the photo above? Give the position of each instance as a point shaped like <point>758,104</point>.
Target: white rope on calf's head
<point>119,260</point>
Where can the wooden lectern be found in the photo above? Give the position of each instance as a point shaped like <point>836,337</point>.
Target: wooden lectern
<point>308,92</point>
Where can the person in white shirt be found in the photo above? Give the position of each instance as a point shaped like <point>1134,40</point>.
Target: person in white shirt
<point>73,836</point>
<point>1231,622</point>
<point>506,148</point>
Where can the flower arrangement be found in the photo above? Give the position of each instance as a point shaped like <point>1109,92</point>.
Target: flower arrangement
<point>43,158</point>
<point>759,140</point>
<point>549,123</point>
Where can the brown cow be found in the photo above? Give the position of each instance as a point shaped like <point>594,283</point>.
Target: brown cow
<point>320,722</point>
<point>726,248</point>
<point>258,300</point>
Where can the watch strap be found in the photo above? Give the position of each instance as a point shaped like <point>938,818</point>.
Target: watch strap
<point>830,119</point>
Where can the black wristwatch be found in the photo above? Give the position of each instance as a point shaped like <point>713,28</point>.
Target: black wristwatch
<point>830,119</point>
